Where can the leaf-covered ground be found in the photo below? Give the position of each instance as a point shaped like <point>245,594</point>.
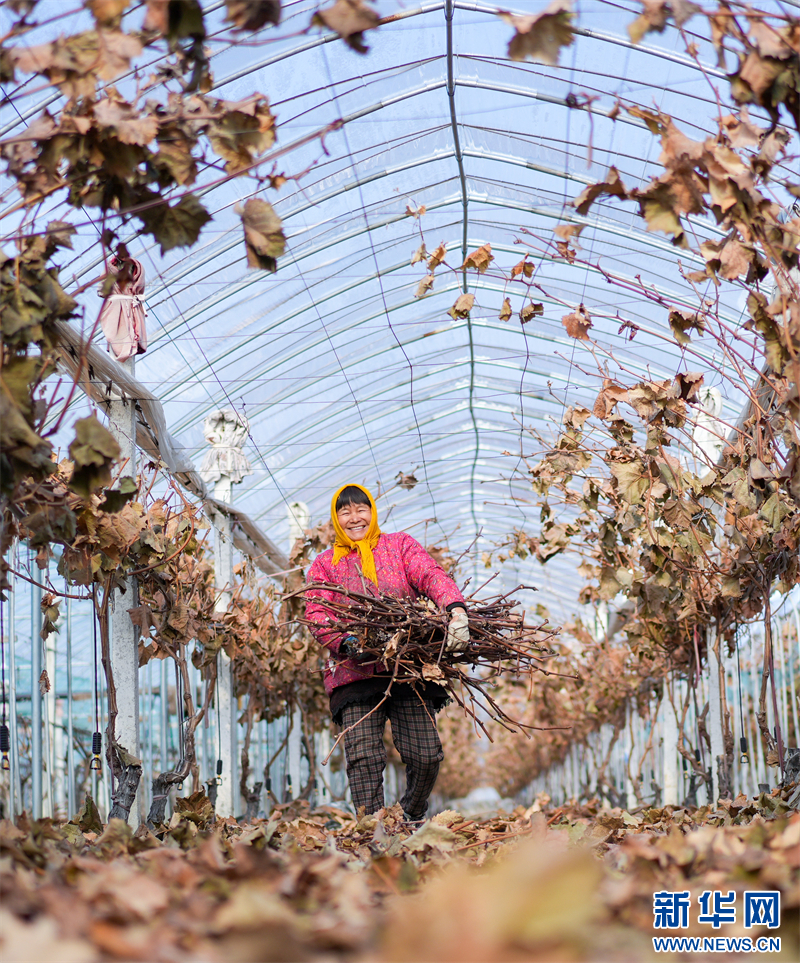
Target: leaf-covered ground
<point>574,883</point>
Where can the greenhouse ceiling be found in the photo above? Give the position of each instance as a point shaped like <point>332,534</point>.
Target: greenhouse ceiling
<point>346,361</point>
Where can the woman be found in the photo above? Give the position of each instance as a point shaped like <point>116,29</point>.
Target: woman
<point>365,560</point>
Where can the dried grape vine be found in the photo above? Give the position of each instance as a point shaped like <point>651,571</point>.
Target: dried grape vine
<point>407,636</point>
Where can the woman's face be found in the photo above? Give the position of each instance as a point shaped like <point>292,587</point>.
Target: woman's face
<point>355,520</point>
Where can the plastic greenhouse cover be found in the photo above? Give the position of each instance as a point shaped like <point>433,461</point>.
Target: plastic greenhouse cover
<point>343,372</point>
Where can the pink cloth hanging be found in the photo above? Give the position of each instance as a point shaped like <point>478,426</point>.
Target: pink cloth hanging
<point>123,312</point>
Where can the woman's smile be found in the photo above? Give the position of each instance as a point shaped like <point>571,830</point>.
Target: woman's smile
<point>355,520</point>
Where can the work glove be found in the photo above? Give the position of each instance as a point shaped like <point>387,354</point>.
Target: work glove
<point>457,632</point>
<point>351,649</point>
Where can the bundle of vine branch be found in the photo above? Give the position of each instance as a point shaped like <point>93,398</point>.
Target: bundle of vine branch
<point>407,636</point>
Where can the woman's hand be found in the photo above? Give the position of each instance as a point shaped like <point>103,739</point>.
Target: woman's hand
<point>457,631</point>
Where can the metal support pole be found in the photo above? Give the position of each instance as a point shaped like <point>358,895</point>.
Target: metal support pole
<point>123,635</point>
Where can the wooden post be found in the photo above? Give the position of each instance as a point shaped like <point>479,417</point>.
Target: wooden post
<point>123,635</point>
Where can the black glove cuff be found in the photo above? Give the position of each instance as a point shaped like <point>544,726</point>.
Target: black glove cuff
<point>351,649</point>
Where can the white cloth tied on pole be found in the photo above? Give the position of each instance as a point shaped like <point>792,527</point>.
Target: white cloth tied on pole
<point>122,316</point>
<point>226,431</point>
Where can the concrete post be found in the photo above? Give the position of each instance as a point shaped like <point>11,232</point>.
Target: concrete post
<point>70,721</point>
<point>323,748</point>
<point>227,793</point>
<point>295,751</point>
<point>51,787</point>
<point>123,635</point>
<point>715,711</point>
<point>163,709</point>
<point>15,789</point>
<point>709,440</point>
<point>225,465</point>
<point>299,516</point>
<point>630,793</point>
<point>670,773</point>
<point>37,759</point>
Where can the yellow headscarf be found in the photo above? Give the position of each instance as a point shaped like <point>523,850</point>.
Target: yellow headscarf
<point>364,546</point>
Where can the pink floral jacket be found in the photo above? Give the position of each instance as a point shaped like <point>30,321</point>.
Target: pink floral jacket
<point>405,570</point>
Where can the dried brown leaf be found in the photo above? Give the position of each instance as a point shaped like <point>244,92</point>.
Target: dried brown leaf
<point>252,14</point>
<point>107,13</point>
<point>175,19</point>
<point>575,417</point>
<point>689,383</point>
<point>437,257</point>
<point>656,15</point>
<point>524,267</point>
<point>406,481</point>
<point>125,121</point>
<point>578,323</point>
<point>682,320</point>
<point>263,234</point>
<point>567,231</point>
<point>420,254</point>
<point>175,226</point>
<point>609,397</point>
<point>741,132</point>
<point>462,307</point>
<point>424,286</point>
<point>612,186</point>
<point>348,18</point>
<point>533,309</point>
<point>541,36</point>
<point>479,260</point>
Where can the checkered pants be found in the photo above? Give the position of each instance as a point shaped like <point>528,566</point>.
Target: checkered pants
<point>415,736</point>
